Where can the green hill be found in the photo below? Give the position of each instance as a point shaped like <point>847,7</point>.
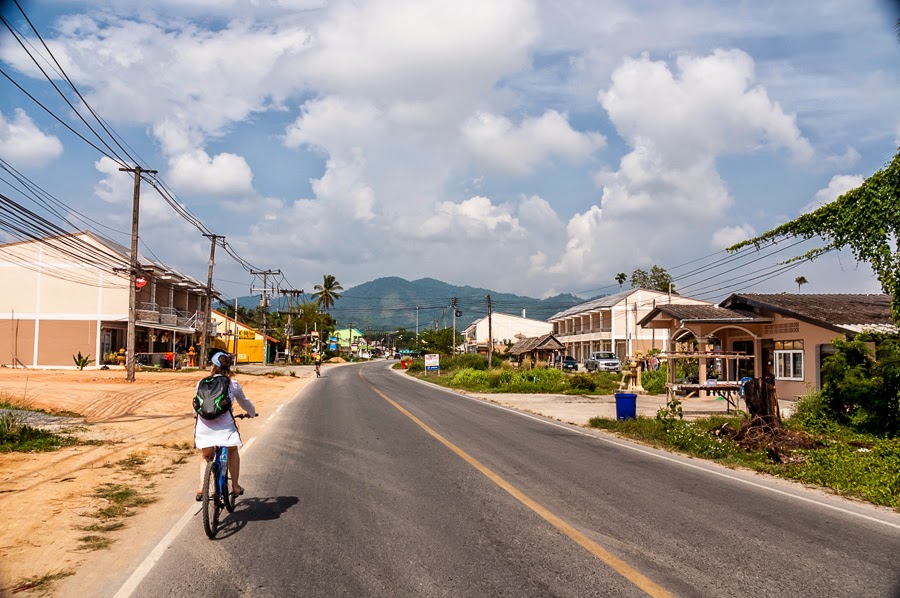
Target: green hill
<point>390,303</point>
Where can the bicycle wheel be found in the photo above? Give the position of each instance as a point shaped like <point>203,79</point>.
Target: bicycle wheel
<point>227,496</point>
<point>211,500</point>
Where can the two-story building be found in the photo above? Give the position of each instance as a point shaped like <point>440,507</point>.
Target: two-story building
<point>69,294</point>
<point>611,324</point>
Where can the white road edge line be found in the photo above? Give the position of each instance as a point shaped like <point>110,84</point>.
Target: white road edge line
<point>639,449</point>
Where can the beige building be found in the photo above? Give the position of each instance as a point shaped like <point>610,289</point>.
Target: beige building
<point>62,295</point>
<point>784,337</point>
<point>611,324</point>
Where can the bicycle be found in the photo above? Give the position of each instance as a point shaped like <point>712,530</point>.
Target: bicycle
<point>318,370</point>
<point>217,489</point>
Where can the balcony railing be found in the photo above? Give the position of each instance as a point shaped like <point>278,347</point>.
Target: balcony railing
<point>168,316</point>
<point>147,312</point>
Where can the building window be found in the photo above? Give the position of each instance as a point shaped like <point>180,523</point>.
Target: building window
<point>789,360</point>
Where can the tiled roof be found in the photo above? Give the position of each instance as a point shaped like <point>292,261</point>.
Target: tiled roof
<point>846,313</point>
<point>547,342</point>
<point>704,313</point>
<point>607,301</point>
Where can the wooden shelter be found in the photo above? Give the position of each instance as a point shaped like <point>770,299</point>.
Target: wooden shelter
<point>537,349</point>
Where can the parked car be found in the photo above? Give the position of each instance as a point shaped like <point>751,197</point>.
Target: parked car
<point>603,361</point>
<point>569,364</point>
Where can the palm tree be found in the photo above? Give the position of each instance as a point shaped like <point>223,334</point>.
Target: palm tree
<point>621,277</point>
<point>800,280</point>
<point>326,293</point>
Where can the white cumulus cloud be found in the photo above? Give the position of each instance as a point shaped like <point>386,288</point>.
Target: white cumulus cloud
<point>677,120</point>
<point>501,145</point>
<point>223,174</point>
<point>23,144</point>
<point>731,235</point>
<point>837,186</point>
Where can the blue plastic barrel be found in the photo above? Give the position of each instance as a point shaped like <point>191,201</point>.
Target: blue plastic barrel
<point>626,405</point>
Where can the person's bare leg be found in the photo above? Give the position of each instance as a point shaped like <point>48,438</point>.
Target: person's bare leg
<point>234,469</point>
<point>206,455</point>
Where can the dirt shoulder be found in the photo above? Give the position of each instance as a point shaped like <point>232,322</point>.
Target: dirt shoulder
<point>138,440</point>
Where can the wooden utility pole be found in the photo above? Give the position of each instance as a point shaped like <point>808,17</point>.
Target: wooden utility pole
<point>490,336</point>
<point>133,270</point>
<point>453,306</point>
<point>207,308</point>
<point>265,304</point>
<point>236,332</point>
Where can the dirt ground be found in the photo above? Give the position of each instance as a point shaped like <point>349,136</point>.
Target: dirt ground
<point>136,435</point>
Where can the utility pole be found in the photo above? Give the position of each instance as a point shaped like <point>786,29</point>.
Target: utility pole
<point>265,304</point>
<point>236,333</point>
<point>289,329</point>
<point>453,307</point>
<point>490,336</point>
<point>417,328</point>
<point>207,308</point>
<point>132,291</point>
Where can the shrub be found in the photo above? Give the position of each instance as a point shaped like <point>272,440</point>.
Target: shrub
<point>416,365</point>
<point>583,382</point>
<point>470,378</point>
<point>654,381</point>
<point>861,392</point>
<point>468,361</point>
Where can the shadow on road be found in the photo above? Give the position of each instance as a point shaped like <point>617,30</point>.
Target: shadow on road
<point>255,509</point>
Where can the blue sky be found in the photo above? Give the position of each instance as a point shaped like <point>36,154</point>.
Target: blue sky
<point>533,147</point>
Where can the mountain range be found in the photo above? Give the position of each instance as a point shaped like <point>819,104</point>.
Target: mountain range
<point>392,303</point>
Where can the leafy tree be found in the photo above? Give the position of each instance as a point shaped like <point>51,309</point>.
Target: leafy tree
<point>657,280</point>
<point>800,280</point>
<point>865,219</point>
<point>438,341</point>
<point>861,391</point>
<point>327,292</point>
<point>621,277</point>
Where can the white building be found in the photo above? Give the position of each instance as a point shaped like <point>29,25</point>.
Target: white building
<point>611,324</point>
<point>505,329</point>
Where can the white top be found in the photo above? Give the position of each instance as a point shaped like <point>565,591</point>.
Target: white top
<point>222,431</point>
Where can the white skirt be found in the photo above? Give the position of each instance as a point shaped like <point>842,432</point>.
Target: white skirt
<point>221,431</point>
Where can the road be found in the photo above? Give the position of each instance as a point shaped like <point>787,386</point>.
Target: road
<point>372,484</point>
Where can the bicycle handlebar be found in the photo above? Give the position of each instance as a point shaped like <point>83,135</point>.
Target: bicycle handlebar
<point>245,416</point>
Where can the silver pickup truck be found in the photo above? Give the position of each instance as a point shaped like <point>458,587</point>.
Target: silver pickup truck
<point>603,361</point>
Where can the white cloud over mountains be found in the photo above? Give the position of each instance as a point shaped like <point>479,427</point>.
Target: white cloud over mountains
<point>677,122</point>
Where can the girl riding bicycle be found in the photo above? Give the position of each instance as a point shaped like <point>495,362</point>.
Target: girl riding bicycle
<point>222,431</point>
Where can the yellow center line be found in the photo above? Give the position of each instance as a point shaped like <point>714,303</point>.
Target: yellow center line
<point>617,564</point>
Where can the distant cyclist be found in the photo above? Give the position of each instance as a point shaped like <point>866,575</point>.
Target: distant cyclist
<point>318,359</point>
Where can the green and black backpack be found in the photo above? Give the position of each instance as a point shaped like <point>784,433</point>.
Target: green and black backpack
<point>213,397</point>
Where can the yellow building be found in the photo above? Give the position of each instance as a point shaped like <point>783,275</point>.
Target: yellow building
<point>251,344</point>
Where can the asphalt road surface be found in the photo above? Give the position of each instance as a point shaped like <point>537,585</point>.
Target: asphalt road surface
<point>372,484</point>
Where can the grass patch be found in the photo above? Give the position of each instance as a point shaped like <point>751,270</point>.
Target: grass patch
<point>123,501</point>
<point>40,582</point>
<point>110,526</point>
<point>523,381</point>
<point>94,542</point>
<point>847,462</point>
<point>16,437</point>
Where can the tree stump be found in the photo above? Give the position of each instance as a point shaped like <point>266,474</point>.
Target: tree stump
<point>762,403</point>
